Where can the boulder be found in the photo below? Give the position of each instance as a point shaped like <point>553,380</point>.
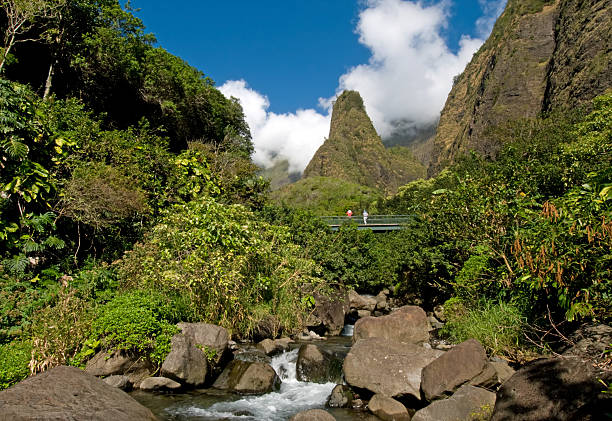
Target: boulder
<point>407,324</point>
<point>502,371</point>
<point>252,355</point>
<point>159,384</point>
<point>67,393</point>
<point>248,378</point>
<point>185,363</point>
<point>341,397</point>
<point>458,366</point>
<point>108,364</point>
<point>363,313</point>
<point>313,415</point>
<point>589,343</point>
<point>360,302</point>
<point>388,409</point>
<point>317,365</point>
<point>119,381</point>
<point>553,389</point>
<point>267,328</point>
<point>468,403</point>
<point>273,347</point>
<point>387,367</point>
<point>328,314</point>
<point>381,302</point>
<point>212,339</point>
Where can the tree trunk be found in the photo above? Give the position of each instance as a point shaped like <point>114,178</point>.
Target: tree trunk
<point>48,82</point>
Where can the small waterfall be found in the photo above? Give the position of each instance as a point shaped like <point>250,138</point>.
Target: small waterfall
<point>347,330</point>
<point>294,396</point>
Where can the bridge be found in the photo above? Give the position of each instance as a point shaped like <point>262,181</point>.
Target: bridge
<point>374,222</point>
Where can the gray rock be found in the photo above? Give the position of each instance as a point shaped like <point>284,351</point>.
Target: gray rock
<point>328,313</point>
<point>502,371</point>
<point>185,363</point>
<point>273,347</point>
<point>458,366</point>
<point>387,367</point>
<point>468,403</point>
<point>159,384</point>
<point>213,339</point>
<point>252,355</point>
<point>248,378</point>
<point>361,302</point>
<point>407,324</point>
<point>317,365</point>
<point>119,381</point>
<point>341,397</point>
<point>67,393</point>
<point>108,364</point>
<point>553,389</point>
<point>313,415</point>
<point>388,409</point>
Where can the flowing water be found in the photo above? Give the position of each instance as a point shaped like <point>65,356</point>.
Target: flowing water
<point>294,396</point>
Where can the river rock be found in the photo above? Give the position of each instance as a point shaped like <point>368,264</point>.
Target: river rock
<point>67,393</point>
<point>467,403</point>
<point>213,339</point>
<point>119,381</point>
<point>272,347</point>
<point>381,302</point>
<point>159,384</point>
<point>248,378</point>
<point>360,302</point>
<point>459,365</point>
<point>328,314</point>
<point>313,415</point>
<point>388,367</point>
<point>317,365</point>
<point>363,313</point>
<point>388,409</point>
<point>553,389</point>
<point>118,362</point>
<point>341,397</point>
<point>407,324</point>
<point>185,363</point>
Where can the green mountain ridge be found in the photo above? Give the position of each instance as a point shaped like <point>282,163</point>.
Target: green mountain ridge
<point>354,152</point>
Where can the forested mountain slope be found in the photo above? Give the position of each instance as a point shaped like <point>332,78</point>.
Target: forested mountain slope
<point>541,56</point>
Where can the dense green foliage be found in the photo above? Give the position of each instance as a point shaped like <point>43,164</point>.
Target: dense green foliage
<point>14,359</point>
<point>531,228</point>
<point>326,195</point>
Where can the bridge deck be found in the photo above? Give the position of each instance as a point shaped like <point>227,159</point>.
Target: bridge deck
<point>374,222</point>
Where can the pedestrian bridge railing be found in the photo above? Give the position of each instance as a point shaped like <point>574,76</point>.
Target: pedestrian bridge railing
<point>374,222</point>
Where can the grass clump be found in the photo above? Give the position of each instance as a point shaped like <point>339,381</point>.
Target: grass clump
<point>498,326</point>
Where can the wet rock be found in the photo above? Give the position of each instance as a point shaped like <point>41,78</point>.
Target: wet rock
<point>553,389</point>
<point>159,384</point>
<point>341,397</point>
<point>185,363</point>
<point>252,355</point>
<point>248,378</point>
<point>454,368</point>
<point>388,409</point>
<point>273,347</point>
<point>317,365</point>
<point>407,324</point>
<point>119,381</point>
<point>467,403</point>
<point>313,415</point>
<point>388,367</point>
<point>67,393</point>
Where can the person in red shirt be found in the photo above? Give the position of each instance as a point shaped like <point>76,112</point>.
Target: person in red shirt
<point>349,213</point>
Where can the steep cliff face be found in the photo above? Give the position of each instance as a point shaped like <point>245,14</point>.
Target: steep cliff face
<point>354,152</point>
<point>541,55</point>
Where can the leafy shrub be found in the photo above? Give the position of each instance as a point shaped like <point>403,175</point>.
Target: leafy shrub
<point>14,360</point>
<point>224,262</point>
<point>142,322</point>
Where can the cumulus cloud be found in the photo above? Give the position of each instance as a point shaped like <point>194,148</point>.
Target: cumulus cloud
<point>404,84</point>
<point>292,136</point>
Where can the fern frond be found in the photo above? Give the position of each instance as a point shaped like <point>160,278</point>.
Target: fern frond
<point>16,264</point>
<point>15,148</point>
<point>56,243</point>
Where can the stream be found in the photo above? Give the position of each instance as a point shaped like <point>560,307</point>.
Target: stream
<point>294,396</point>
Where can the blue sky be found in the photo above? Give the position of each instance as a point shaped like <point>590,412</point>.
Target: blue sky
<point>287,60</point>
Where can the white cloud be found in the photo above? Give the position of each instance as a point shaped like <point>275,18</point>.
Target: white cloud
<point>293,136</point>
<point>405,82</point>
